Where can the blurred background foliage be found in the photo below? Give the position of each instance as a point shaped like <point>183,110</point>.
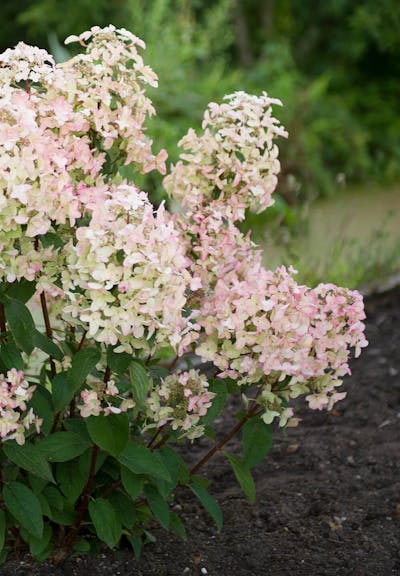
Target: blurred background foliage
<point>335,64</point>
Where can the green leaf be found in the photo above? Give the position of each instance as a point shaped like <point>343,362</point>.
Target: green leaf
<point>62,391</point>
<point>37,545</point>
<point>65,517</point>
<point>44,505</point>
<point>176,465</point>
<point>37,484</point>
<point>135,540</point>
<point>29,458</point>
<point>25,507</point>
<point>11,357</point>
<point>108,527</point>
<point>110,432</point>
<point>78,425</point>
<point>133,483</point>
<point>257,441</point>
<point>157,373</point>
<point>21,290</point>
<point>83,363</point>
<point>70,479</point>
<point>3,529</point>
<point>209,503</point>
<point>62,446</point>
<point>243,476</point>
<point>141,460</point>
<point>21,324</point>
<point>53,497</point>
<point>140,383</point>
<point>41,402</point>
<point>118,362</point>
<point>218,402</point>
<point>158,505</point>
<point>81,547</point>
<point>124,508</point>
<point>177,526</point>
<point>47,345</point>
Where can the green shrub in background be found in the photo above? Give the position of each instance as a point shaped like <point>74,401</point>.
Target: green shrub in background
<point>335,65</point>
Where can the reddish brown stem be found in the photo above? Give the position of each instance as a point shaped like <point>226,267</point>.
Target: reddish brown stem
<point>107,374</point>
<point>84,503</point>
<point>49,332</point>
<point>3,327</point>
<point>219,445</point>
<point>82,340</point>
<point>172,364</point>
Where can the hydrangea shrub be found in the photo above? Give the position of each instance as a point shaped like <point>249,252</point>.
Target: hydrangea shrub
<point>124,328</point>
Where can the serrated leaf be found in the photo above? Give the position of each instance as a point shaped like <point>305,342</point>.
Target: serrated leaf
<point>83,363</point>
<point>25,507</point>
<point>11,357</point>
<point>118,362</point>
<point>62,446</point>
<point>47,345</point>
<point>111,433</point>
<point>70,480</point>
<point>3,528</point>
<point>257,441</point>
<point>243,476</point>
<point>78,425</point>
<point>133,483</point>
<point>141,460</point>
<point>62,391</point>
<point>21,324</point>
<point>124,508</point>
<point>157,504</point>
<point>209,503</point>
<point>29,458</point>
<point>108,527</point>
<point>140,383</point>
<point>21,290</point>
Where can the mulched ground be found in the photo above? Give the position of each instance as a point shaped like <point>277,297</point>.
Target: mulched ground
<point>328,494</point>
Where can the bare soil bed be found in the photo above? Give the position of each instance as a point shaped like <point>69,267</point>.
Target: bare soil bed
<point>328,494</point>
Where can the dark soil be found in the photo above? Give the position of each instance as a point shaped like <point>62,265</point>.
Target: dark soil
<point>328,494</point>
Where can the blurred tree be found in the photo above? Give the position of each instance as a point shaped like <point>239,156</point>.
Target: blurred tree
<point>335,65</point>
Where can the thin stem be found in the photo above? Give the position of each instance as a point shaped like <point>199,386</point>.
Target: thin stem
<point>84,503</point>
<point>49,332</point>
<point>172,364</point>
<point>3,327</point>
<point>219,445</point>
<point>82,340</point>
<point>156,435</point>
<point>107,374</point>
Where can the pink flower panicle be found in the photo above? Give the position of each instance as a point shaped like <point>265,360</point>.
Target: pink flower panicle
<point>138,278</point>
<point>180,401</point>
<point>15,417</point>
<point>103,398</point>
<point>234,161</point>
